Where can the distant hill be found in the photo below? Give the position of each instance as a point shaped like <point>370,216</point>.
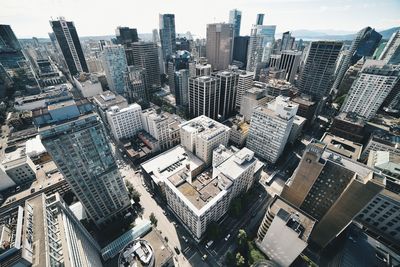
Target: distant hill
<point>321,35</point>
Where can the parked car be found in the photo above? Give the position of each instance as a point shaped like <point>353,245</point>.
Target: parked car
<point>177,250</point>
<point>209,243</point>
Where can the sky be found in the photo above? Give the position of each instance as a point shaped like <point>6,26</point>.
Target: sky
<point>94,18</point>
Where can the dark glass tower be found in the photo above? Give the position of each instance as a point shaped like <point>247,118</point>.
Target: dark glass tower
<point>10,49</point>
<point>240,45</point>
<point>68,40</point>
<point>126,35</point>
<point>368,41</point>
<point>235,17</point>
<point>167,35</point>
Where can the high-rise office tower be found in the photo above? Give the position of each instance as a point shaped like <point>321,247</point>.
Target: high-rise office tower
<point>240,45</point>
<point>262,38</point>
<point>330,188</point>
<point>167,35</point>
<point>287,41</point>
<point>146,56</point>
<point>260,19</point>
<point>270,128</point>
<point>235,17</point>
<point>182,87</point>
<point>229,82</point>
<point>219,47</point>
<point>76,140</point>
<point>10,49</point>
<point>135,84</point>
<point>287,60</point>
<point>364,44</point>
<point>126,35</point>
<point>70,46</point>
<point>178,61</point>
<point>391,52</point>
<point>204,96</point>
<point>316,78</point>
<point>371,87</point>
<point>114,64</point>
<point>245,82</point>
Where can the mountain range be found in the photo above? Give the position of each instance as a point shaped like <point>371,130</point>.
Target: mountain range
<point>335,35</point>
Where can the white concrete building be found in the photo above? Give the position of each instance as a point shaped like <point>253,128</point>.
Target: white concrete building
<point>245,82</point>
<point>297,128</point>
<point>88,85</point>
<point>19,167</point>
<point>253,97</point>
<point>202,135</point>
<point>270,128</point>
<point>125,122</point>
<point>370,89</point>
<point>156,124</point>
<point>284,232</point>
<point>199,198</point>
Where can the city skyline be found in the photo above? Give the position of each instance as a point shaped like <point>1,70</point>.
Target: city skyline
<point>304,14</point>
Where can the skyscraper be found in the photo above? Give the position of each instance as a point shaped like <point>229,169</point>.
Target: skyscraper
<point>260,19</point>
<point>126,36</point>
<point>167,35</point>
<point>240,45</point>
<point>182,87</point>
<point>235,17</point>
<point>135,84</point>
<point>229,83</point>
<point>365,37</point>
<point>371,87</point>
<point>145,55</point>
<point>219,45</point>
<point>68,41</point>
<point>10,49</point>
<point>270,128</point>
<point>204,96</point>
<point>330,188</point>
<point>76,140</point>
<point>262,38</point>
<point>287,41</point>
<point>245,82</point>
<point>114,65</point>
<point>178,61</point>
<point>391,52</point>
<point>290,62</point>
<point>317,77</point>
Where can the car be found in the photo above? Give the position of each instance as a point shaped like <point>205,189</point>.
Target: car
<point>204,257</point>
<point>177,250</point>
<point>33,190</point>
<point>209,243</point>
<point>17,188</point>
<point>185,238</point>
<point>227,237</point>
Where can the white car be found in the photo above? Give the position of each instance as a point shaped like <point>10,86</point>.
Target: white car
<point>227,237</point>
<point>209,244</point>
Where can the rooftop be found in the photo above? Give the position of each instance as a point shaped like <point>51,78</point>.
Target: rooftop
<point>342,146</point>
<point>14,158</point>
<point>299,221</point>
<point>350,117</point>
<point>108,99</point>
<point>205,127</point>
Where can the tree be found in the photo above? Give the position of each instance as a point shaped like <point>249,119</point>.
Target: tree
<point>240,261</point>
<point>153,219</point>
<point>242,242</point>
<point>255,256</point>
<point>133,193</point>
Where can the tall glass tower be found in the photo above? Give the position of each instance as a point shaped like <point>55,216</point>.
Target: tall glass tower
<point>10,49</point>
<point>167,35</point>
<point>71,48</point>
<point>235,17</point>
<point>76,140</point>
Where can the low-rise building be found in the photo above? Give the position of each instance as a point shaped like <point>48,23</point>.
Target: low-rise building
<point>297,128</point>
<point>19,167</point>
<point>284,232</point>
<point>342,146</point>
<point>125,122</point>
<point>306,108</point>
<point>104,101</point>
<point>349,126</point>
<point>239,130</point>
<point>88,84</point>
<point>388,164</point>
<point>382,141</point>
<point>202,135</point>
